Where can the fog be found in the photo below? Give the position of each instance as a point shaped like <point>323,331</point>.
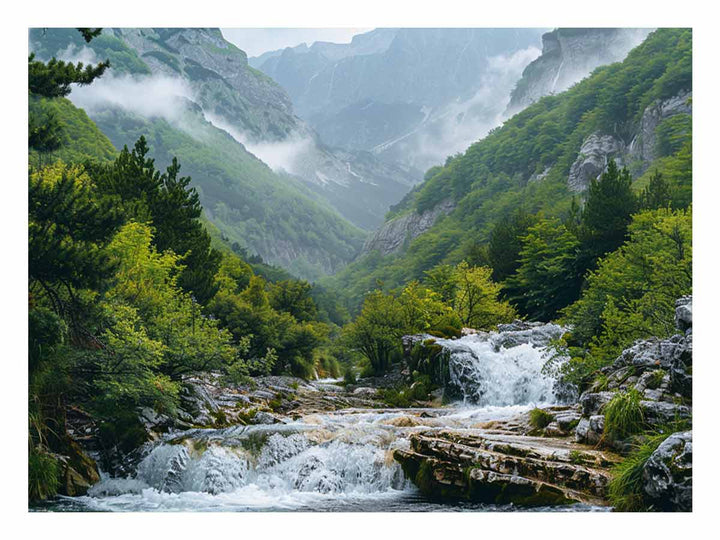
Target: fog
<point>286,155</point>
<point>457,125</point>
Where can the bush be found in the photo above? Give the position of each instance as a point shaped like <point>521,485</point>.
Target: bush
<point>540,419</point>
<point>349,378</point>
<point>624,415</point>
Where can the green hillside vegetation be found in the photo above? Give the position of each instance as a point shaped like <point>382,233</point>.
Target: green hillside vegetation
<point>80,137</point>
<point>489,182</point>
<point>267,214</point>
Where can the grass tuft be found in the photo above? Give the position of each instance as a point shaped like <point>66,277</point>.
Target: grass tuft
<point>624,415</point>
<point>625,490</point>
<point>540,418</point>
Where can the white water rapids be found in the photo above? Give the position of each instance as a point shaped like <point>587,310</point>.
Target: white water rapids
<point>338,460</point>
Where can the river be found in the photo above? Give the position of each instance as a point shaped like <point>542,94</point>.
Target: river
<point>332,461</point>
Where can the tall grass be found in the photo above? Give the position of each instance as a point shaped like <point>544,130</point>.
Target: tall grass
<point>624,415</point>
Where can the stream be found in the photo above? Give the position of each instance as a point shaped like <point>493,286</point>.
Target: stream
<point>332,461</point>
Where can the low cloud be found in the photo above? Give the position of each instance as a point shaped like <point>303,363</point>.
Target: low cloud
<point>286,155</point>
<point>458,125</point>
<point>148,96</point>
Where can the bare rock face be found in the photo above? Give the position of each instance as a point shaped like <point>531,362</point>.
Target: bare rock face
<point>667,476</point>
<point>394,234</point>
<point>643,145</point>
<point>598,149</point>
<point>595,153</point>
<point>568,55</point>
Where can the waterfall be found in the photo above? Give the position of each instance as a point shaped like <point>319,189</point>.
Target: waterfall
<point>503,368</point>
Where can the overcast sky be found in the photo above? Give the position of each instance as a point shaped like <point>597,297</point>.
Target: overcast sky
<point>255,41</point>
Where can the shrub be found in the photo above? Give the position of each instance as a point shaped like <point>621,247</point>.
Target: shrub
<point>349,378</point>
<point>624,415</point>
<point>656,380</point>
<point>540,418</point>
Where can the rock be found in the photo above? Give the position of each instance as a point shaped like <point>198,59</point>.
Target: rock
<point>660,413</point>
<point>262,417</point>
<point>592,403</point>
<point>519,333</point>
<point>667,475</point>
<point>78,471</point>
<point>567,420</point>
<point>568,55</point>
<point>683,313</point>
<point>364,391</point>
<point>643,146</point>
<point>393,235</point>
<point>501,469</point>
<point>595,153</point>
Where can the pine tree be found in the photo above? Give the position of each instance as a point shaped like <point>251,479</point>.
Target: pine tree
<point>606,216</point>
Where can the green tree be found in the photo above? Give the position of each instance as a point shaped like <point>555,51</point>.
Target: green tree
<point>632,293</point>
<point>293,297</point>
<point>505,243</point>
<point>168,202</point>
<point>606,216</point>
<point>546,280</point>
<point>657,193</point>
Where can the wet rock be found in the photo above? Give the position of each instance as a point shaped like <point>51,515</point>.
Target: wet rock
<point>78,471</point>
<point>263,417</point>
<point>667,475</point>
<point>535,334</point>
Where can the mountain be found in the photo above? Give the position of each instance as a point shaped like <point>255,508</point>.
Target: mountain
<point>568,55</point>
<point>168,85</point>
<point>638,112</point>
<point>411,96</point>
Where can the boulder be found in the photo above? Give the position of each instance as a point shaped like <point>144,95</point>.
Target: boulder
<point>667,475</point>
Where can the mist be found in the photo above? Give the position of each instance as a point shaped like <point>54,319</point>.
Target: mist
<point>457,125</point>
<point>286,155</point>
<point>148,96</point>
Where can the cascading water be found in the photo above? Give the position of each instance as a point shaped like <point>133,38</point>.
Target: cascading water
<point>338,460</point>
<point>501,369</point>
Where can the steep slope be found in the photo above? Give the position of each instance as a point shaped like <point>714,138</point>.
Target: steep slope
<point>638,111</point>
<point>568,55</point>
<point>202,66</point>
<point>270,214</point>
<point>412,96</point>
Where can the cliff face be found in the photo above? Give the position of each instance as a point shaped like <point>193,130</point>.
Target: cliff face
<point>638,154</point>
<point>394,235</point>
<point>569,55</point>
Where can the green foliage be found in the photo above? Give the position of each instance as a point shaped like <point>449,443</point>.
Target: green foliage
<point>656,194</point>
<point>545,281</point>
<point>53,79</point>
<point>625,490</point>
<point>632,293</point>
<point>505,243</point>
<point>606,216</point>
<point>166,200</point>
<point>540,418</point>
<point>624,415</point>
<point>491,179</point>
<point>43,474</point>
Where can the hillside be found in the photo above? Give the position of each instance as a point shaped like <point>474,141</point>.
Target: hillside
<point>636,111</point>
<point>268,213</point>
